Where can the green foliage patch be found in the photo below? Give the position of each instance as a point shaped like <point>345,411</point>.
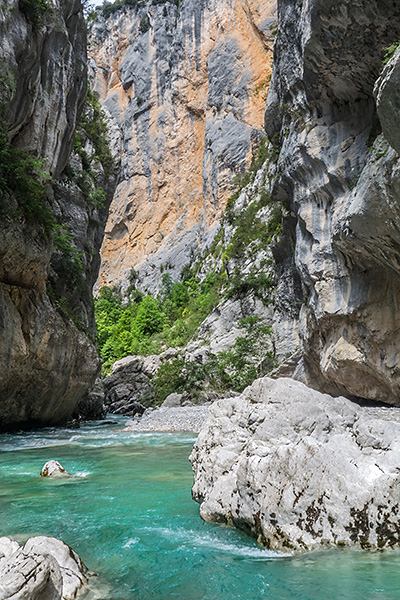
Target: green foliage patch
<point>147,325</point>
<point>233,369</point>
<point>389,52</point>
<point>33,10</point>
<point>23,182</point>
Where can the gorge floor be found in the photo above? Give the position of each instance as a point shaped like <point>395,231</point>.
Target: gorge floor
<point>128,512</point>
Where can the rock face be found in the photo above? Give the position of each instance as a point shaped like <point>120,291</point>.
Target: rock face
<point>128,389</point>
<point>43,569</point>
<point>181,81</point>
<point>47,361</point>
<point>342,189</point>
<point>300,469</point>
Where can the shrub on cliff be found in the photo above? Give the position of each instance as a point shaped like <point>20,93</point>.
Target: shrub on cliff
<point>23,182</point>
<point>33,10</point>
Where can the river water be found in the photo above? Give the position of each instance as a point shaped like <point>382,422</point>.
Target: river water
<point>128,513</point>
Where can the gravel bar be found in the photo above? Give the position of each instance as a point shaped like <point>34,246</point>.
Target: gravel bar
<point>183,418</point>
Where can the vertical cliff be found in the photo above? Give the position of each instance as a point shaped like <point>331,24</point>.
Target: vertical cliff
<point>340,180</point>
<point>50,231</point>
<point>187,86</point>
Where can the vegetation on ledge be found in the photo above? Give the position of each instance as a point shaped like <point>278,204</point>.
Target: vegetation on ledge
<point>237,264</point>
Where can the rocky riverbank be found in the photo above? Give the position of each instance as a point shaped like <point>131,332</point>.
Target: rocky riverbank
<point>300,469</point>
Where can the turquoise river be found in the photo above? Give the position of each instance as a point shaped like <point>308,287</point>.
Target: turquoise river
<point>128,512</point>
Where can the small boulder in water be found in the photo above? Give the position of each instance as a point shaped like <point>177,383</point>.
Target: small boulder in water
<point>54,469</point>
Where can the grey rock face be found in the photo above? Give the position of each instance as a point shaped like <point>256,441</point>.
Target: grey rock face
<point>300,469</point>
<point>93,407</point>
<point>128,390</point>
<point>43,569</point>
<point>387,96</point>
<point>45,72</point>
<point>342,191</point>
<point>47,361</point>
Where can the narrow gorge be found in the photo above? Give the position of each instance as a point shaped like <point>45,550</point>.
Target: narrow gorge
<point>199,232</point>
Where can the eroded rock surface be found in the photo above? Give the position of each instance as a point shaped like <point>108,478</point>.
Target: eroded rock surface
<point>189,90</point>
<point>300,469</point>
<point>340,183</point>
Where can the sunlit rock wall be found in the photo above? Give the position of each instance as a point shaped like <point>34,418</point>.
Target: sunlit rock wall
<point>187,86</point>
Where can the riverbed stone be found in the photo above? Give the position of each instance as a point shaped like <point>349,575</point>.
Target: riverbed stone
<point>44,568</point>
<point>300,469</point>
<point>54,469</point>
<point>30,577</point>
<point>73,571</point>
<point>173,399</point>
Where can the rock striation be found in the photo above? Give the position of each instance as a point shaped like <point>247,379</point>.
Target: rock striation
<point>187,85</point>
<point>44,568</point>
<point>300,469</point>
<point>339,180</point>
<point>48,362</point>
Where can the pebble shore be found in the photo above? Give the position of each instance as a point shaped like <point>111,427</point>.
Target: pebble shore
<point>182,418</point>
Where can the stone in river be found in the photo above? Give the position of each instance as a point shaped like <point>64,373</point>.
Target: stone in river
<point>54,469</point>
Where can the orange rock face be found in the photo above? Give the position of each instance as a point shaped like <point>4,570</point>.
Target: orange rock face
<point>186,87</point>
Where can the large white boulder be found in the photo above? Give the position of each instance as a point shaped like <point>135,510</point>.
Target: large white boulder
<point>300,469</point>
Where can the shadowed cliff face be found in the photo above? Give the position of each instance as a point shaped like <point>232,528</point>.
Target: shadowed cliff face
<point>187,87</point>
<point>343,189</point>
<point>47,363</point>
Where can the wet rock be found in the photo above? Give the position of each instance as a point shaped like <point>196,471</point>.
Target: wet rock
<point>300,469</point>
<point>92,406</point>
<point>54,469</point>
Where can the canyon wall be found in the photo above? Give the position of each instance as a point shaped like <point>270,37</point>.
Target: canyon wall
<point>187,86</point>
<point>339,179</point>
<point>49,244</point>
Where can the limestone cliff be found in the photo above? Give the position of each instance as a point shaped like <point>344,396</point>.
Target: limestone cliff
<point>340,181</point>
<point>49,244</point>
<point>187,85</point>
